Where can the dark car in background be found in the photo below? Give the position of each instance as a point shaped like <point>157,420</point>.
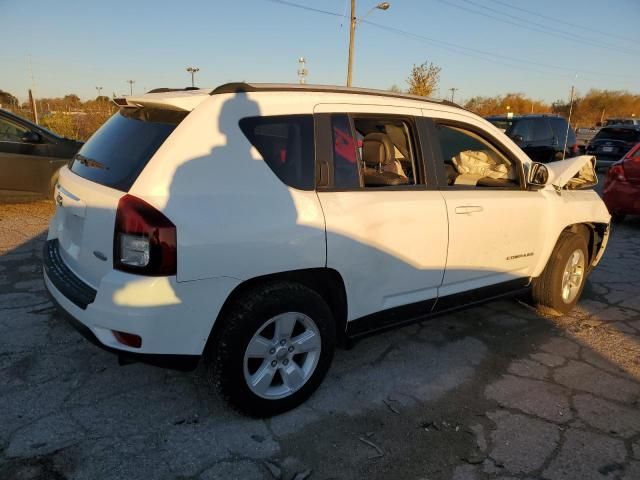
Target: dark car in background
<point>621,121</point>
<point>30,157</point>
<point>542,137</point>
<point>612,143</point>
<point>622,186</point>
<point>584,135</point>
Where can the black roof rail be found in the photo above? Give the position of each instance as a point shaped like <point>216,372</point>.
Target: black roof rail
<point>243,87</point>
<point>166,89</point>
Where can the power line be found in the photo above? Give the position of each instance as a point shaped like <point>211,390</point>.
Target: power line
<point>563,32</point>
<point>469,52</point>
<point>490,55</point>
<point>563,21</point>
<point>526,24</point>
<point>305,7</point>
<point>461,49</point>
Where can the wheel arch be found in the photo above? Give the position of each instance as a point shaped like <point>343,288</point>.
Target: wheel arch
<point>327,282</point>
<point>595,234</point>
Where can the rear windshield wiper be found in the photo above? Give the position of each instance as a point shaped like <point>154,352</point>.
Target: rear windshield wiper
<point>90,162</point>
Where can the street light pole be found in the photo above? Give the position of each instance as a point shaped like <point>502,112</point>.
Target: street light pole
<point>192,71</point>
<point>453,91</point>
<point>99,89</point>
<point>352,33</point>
<point>131,82</point>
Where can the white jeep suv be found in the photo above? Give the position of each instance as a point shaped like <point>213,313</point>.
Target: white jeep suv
<point>259,225</point>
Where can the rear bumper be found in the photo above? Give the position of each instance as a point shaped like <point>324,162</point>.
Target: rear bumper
<point>174,319</point>
<point>176,362</point>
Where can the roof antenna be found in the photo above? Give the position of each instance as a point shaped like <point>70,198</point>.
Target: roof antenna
<point>566,136</point>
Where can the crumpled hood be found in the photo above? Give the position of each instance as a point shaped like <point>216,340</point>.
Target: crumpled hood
<point>562,172</point>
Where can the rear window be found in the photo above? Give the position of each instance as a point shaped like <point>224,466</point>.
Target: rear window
<point>116,154</point>
<point>286,144</point>
<point>624,134</point>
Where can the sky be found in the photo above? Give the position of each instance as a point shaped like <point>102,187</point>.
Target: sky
<point>484,47</point>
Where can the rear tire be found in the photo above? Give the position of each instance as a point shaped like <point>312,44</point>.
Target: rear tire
<point>557,290</point>
<point>273,349</point>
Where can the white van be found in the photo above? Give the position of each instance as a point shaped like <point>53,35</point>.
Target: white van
<point>259,225</point>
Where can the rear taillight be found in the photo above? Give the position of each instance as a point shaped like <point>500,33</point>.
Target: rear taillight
<point>144,241</point>
<point>616,172</point>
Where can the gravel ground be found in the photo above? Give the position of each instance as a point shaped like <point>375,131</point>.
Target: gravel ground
<point>494,392</point>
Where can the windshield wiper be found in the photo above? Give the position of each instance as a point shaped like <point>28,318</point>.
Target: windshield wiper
<point>90,162</point>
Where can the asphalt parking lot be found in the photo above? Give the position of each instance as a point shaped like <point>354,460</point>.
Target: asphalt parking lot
<point>497,391</point>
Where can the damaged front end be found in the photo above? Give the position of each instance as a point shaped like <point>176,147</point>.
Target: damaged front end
<point>573,173</point>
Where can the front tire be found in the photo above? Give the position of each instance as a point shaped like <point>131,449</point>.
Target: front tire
<point>559,287</point>
<point>273,349</point>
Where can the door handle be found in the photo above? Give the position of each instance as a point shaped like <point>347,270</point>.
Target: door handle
<point>467,209</point>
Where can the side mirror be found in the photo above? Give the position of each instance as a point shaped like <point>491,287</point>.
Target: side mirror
<point>538,175</point>
<point>31,137</point>
<point>519,139</point>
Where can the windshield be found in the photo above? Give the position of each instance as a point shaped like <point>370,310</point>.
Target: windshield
<point>116,154</point>
<point>624,134</point>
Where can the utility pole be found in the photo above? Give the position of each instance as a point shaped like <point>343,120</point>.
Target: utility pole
<point>99,89</point>
<point>34,109</point>
<point>453,91</point>
<point>566,137</point>
<point>352,33</point>
<point>302,71</point>
<point>32,100</point>
<point>193,71</point>
<point>131,82</point>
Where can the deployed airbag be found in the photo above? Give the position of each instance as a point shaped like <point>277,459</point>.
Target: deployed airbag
<point>473,165</point>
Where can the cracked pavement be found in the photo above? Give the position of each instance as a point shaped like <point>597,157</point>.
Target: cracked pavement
<point>494,392</point>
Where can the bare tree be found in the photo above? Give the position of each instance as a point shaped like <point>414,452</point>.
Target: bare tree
<point>424,79</point>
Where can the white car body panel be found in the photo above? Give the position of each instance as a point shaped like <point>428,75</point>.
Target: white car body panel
<point>407,251</point>
<point>385,264</point>
<point>231,224</point>
<point>494,242</point>
<point>83,224</point>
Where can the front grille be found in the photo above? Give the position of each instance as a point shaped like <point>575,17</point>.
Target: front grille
<point>67,282</point>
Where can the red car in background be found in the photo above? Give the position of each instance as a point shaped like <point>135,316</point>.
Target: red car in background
<point>622,186</point>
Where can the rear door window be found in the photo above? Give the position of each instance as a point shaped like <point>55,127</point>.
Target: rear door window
<point>116,154</point>
<point>345,155</point>
<point>286,143</point>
